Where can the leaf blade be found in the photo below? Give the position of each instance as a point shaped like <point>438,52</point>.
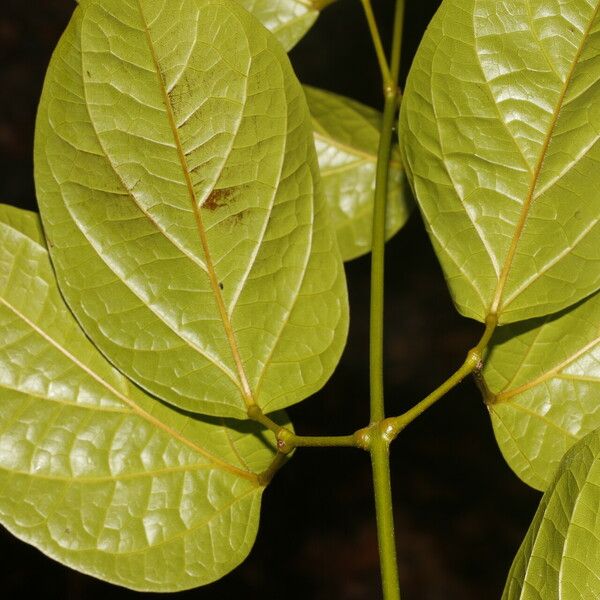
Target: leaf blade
<point>289,20</point>
<point>560,553</point>
<point>494,134</point>
<point>197,338</point>
<point>97,474</point>
<point>347,138</point>
<point>21,221</point>
<point>543,385</point>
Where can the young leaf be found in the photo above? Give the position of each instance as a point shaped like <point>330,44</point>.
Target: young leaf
<point>544,384</point>
<point>179,186</point>
<point>560,555</point>
<point>347,137</point>
<point>94,472</point>
<point>499,128</point>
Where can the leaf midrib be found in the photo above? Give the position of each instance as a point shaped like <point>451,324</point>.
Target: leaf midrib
<point>538,542</point>
<point>127,192</point>
<point>218,463</point>
<point>496,305</point>
<point>186,341</point>
<point>214,281</point>
<point>91,479</point>
<point>535,276</point>
<point>323,135</point>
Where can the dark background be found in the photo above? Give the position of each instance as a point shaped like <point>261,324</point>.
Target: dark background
<point>460,512</point>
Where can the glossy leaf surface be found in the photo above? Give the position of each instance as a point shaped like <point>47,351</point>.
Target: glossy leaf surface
<point>544,378</point>
<point>94,472</point>
<point>560,555</point>
<point>499,126</point>
<point>179,186</point>
<point>288,20</point>
<point>346,138</point>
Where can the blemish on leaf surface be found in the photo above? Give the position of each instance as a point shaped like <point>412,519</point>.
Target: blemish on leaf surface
<point>217,198</point>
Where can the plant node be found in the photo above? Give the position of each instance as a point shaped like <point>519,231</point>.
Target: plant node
<point>474,359</point>
<point>364,437</point>
<point>388,431</point>
<point>285,441</point>
<point>390,90</point>
<point>254,412</point>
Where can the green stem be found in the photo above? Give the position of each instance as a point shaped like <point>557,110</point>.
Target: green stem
<point>320,441</point>
<point>379,51</point>
<point>287,440</point>
<point>396,51</point>
<point>378,262</point>
<point>394,425</point>
<point>256,414</point>
<point>267,475</point>
<point>380,462</point>
<point>378,443</point>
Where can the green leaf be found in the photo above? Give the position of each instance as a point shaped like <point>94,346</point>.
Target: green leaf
<point>178,183</point>
<point>23,221</point>
<point>347,138</point>
<point>94,472</point>
<point>288,20</point>
<point>560,554</point>
<point>499,128</point>
<point>544,385</point>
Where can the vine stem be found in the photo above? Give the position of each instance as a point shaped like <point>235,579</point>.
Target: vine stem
<point>379,442</point>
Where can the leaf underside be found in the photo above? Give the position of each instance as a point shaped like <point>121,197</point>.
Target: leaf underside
<point>499,128</point>
<point>347,138</point>
<point>288,20</point>
<point>179,189</point>
<point>544,382</point>
<point>560,554</point>
<point>94,472</point>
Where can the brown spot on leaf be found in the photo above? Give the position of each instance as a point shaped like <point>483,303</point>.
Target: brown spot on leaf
<point>236,218</point>
<point>180,95</point>
<point>218,198</point>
